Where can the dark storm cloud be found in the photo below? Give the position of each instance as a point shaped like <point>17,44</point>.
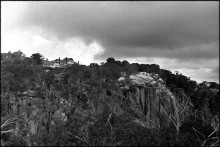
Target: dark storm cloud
<point>192,53</point>
<point>185,30</point>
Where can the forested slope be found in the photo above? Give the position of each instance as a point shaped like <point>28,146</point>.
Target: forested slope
<point>84,105</point>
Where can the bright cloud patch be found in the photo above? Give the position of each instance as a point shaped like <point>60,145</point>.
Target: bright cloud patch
<point>31,42</point>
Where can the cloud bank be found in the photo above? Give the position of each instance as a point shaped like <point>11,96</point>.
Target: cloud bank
<point>184,33</point>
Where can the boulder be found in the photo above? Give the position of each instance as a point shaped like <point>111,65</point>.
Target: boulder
<point>153,84</point>
<point>121,79</point>
<point>138,82</point>
<point>143,73</point>
<point>146,78</point>
<point>160,81</point>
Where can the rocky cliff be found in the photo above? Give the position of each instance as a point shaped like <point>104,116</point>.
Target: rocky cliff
<point>155,103</point>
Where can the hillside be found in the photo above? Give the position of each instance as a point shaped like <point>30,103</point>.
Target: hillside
<point>86,105</point>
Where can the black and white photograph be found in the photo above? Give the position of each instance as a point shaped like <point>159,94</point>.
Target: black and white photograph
<point>110,73</point>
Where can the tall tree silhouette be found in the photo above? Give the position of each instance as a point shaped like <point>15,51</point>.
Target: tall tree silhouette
<point>38,58</point>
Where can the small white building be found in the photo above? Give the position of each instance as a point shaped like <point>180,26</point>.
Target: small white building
<point>56,65</point>
<point>59,63</point>
<point>70,62</point>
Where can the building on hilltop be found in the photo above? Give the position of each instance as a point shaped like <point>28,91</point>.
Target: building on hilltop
<point>67,61</point>
<point>47,63</point>
<point>59,63</point>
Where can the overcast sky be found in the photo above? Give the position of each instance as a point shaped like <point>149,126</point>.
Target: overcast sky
<point>178,36</point>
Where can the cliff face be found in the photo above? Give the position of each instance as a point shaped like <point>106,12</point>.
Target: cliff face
<point>155,103</point>
<point>157,106</point>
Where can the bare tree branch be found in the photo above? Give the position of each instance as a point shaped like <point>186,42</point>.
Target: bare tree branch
<point>176,125</point>
<point>185,104</point>
<point>216,143</point>
<point>198,133</point>
<point>11,130</point>
<point>9,121</point>
<point>216,129</point>
<point>152,122</point>
<point>77,137</point>
<point>32,116</point>
<point>108,120</point>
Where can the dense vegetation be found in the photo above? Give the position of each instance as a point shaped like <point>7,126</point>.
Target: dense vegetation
<point>83,105</point>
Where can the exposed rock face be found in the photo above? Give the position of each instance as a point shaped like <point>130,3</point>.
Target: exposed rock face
<point>154,101</point>
<point>159,107</point>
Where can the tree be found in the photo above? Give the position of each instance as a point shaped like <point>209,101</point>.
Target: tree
<point>130,68</point>
<point>30,61</point>
<point>112,70</point>
<point>118,63</point>
<point>94,65</point>
<point>110,60</point>
<point>124,63</point>
<point>38,58</point>
<point>18,55</point>
<point>213,85</point>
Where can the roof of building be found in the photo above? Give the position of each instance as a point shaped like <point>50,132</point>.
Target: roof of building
<point>46,62</point>
<point>64,61</point>
<point>67,59</point>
